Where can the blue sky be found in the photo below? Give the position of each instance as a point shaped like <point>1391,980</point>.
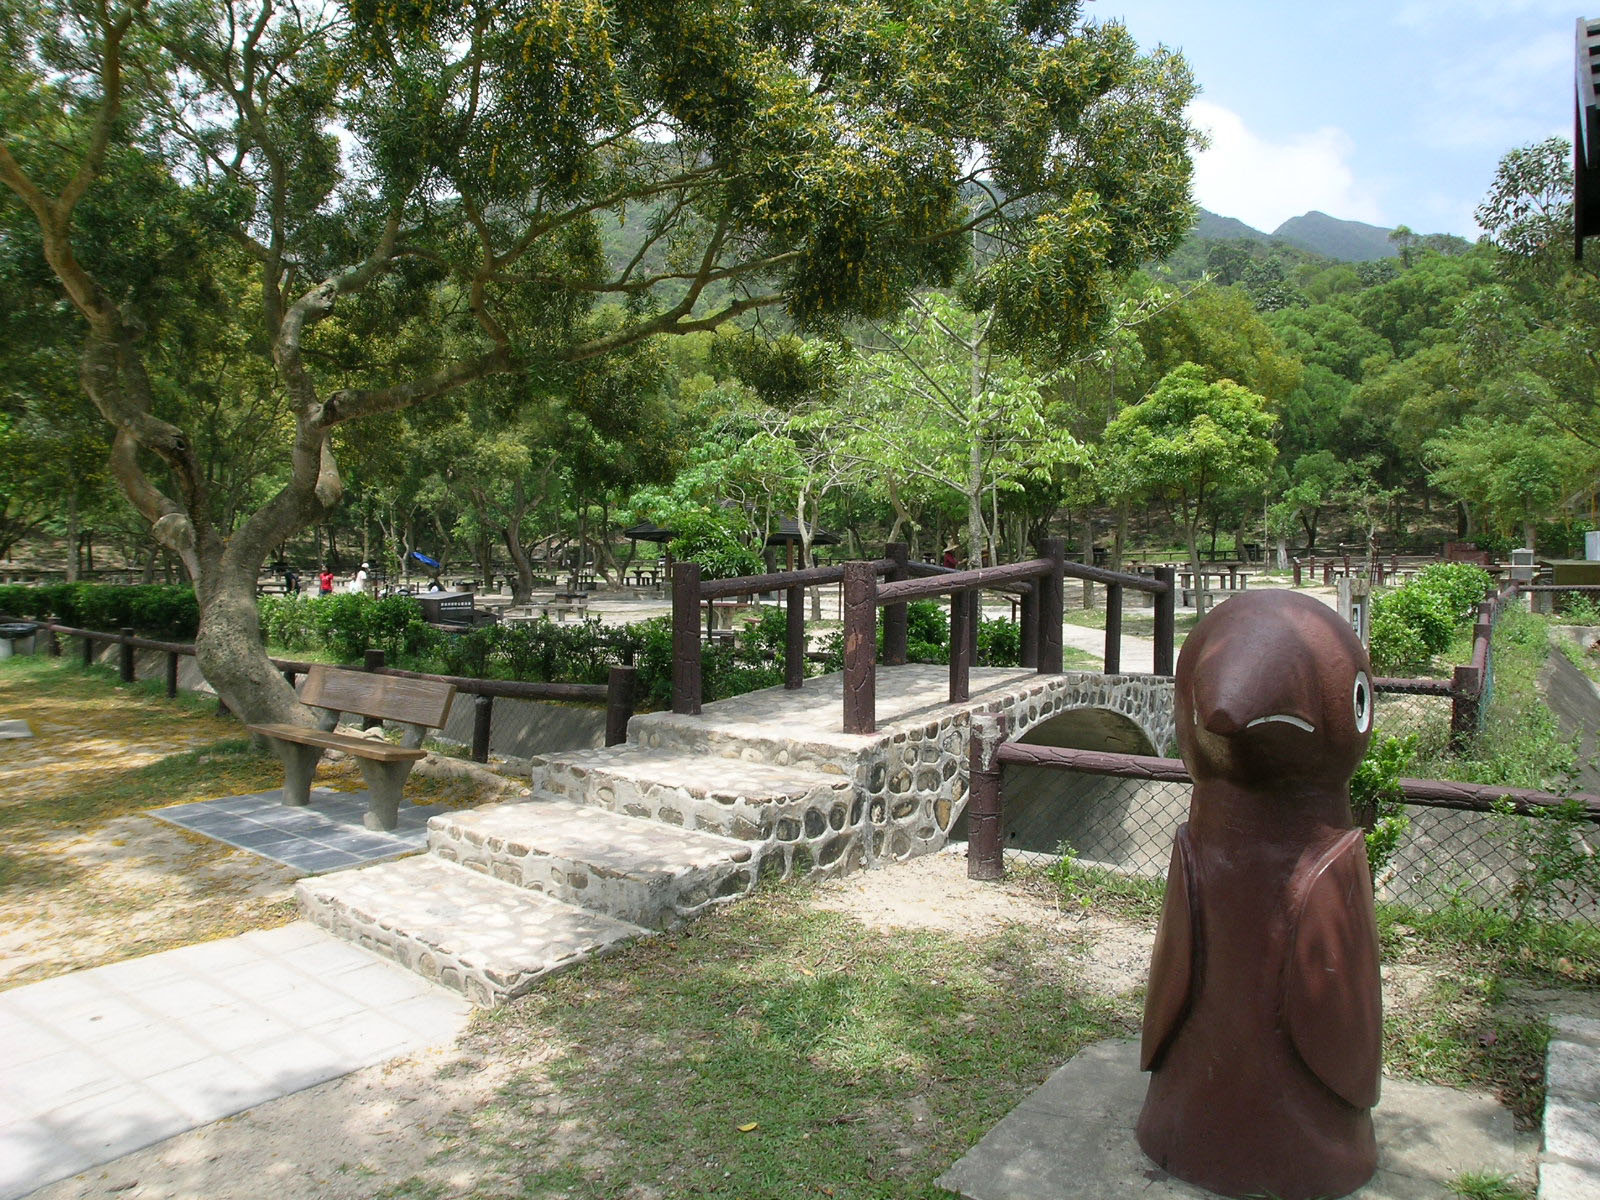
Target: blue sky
<point>1392,113</point>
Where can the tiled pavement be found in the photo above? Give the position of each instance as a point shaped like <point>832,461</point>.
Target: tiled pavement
<point>327,835</point>
<point>99,1063</point>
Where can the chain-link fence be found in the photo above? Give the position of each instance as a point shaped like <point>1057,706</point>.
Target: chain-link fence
<point>1423,716</point>
<point>1541,866</point>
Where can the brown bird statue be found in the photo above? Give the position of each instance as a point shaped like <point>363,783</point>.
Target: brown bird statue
<point>1263,1019</point>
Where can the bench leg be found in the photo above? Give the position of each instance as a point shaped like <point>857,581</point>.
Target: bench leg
<point>385,783</point>
<point>299,765</point>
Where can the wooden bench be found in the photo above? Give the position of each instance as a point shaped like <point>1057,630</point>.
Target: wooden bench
<point>420,704</point>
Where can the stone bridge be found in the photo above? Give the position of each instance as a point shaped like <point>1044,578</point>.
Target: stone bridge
<point>695,808</point>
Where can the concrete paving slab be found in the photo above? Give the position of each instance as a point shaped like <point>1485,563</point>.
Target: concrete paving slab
<point>327,836</point>
<point>1072,1139</point>
<point>103,1062</point>
<point>12,730</point>
<point>1569,1168</point>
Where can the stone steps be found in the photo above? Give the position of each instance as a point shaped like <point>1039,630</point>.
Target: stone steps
<point>487,939</point>
<point>636,870</point>
<point>799,814</point>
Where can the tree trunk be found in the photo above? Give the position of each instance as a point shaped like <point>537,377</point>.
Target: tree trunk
<point>72,534</point>
<point>1086,555</point>
<point>1529,534</point>
<point>1192,538</point>
<point>1119,541</point>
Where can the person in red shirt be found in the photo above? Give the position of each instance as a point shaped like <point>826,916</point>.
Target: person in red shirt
<point>325,582</point>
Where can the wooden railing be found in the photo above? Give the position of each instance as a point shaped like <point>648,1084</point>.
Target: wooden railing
<point>618,694</point>
<point>1036,583</point>
<point>990,753</point>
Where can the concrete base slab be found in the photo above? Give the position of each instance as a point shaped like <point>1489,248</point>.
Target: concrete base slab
<point>15,729</point>
<point>1072,1139</point>
<point>330,835</point>
<point>99,1063</point>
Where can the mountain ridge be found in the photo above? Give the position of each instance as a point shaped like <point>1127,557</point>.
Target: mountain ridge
<point>1332,237</point>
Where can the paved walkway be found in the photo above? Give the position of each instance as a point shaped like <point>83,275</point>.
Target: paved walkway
<point>99,1063</point>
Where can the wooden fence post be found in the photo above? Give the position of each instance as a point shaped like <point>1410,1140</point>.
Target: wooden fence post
<point>1166,620</point>
<point>482,727</point>
<point>894,615</point>
<point>172,674</point>
<point>1051,605</point>
<point>88,651</point>
<point>125,657</point>
<point>52,643</point>
<point>1113,663</point>
<point>1028,616</point>
<point>985,800</point>
<point>962,606</point>
<point>686,637</point>
<point>620,683</point>
<point>794,639</point>
<point>860,647</point>
<point>1466,693</point>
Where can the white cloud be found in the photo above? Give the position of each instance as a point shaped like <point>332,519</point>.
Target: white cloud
<point>1264,183</point>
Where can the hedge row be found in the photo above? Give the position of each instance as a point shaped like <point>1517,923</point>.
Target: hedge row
<point>157,610</point>
<point>545,651</point>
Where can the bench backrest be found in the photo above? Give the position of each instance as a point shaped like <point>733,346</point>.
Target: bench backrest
<point>389,697</point>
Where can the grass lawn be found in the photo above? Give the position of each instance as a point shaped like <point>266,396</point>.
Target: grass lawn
<point>771,1050</point>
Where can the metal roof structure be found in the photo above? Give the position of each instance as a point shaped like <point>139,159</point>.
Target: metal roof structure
<point>1586,136</point>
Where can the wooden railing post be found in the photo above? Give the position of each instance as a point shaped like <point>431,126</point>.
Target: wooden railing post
<point>1028,616</point>
<point>1297,572</point>
<point>1466,693</point>
<point>1051,605</point>
<point>686,637</point>
<point>985,800</point>
<point>88,651</point>
<point>962,606</point>
<point>1166,620</point>
<point>620,683</point>
<point>125,657</point>
<point>860,647</point>
<point>482,726</point>
<point>894,615</point>
<point>794,639</point>
<point>172,674</point>
<point>52,643</point>
<point>1113,663</point>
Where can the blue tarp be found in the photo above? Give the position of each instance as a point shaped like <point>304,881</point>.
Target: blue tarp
<point>423,558</point>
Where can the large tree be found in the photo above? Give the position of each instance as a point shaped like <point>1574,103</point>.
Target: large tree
<point>419,192</point>
<point>1190,441</point>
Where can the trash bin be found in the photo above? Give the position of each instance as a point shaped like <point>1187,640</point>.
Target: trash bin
<point>16,637</point>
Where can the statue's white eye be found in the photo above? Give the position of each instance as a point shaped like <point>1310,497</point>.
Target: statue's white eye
<point>1362,702</point>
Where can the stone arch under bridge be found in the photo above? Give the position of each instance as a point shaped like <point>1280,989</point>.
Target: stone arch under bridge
<point>915,784</point>
<point>1116,821</point>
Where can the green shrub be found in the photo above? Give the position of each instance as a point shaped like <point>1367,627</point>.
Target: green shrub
<point>1376,798</point>
<point>999,643</point>
<point>1461,586</point>
<point>1409,626</point>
